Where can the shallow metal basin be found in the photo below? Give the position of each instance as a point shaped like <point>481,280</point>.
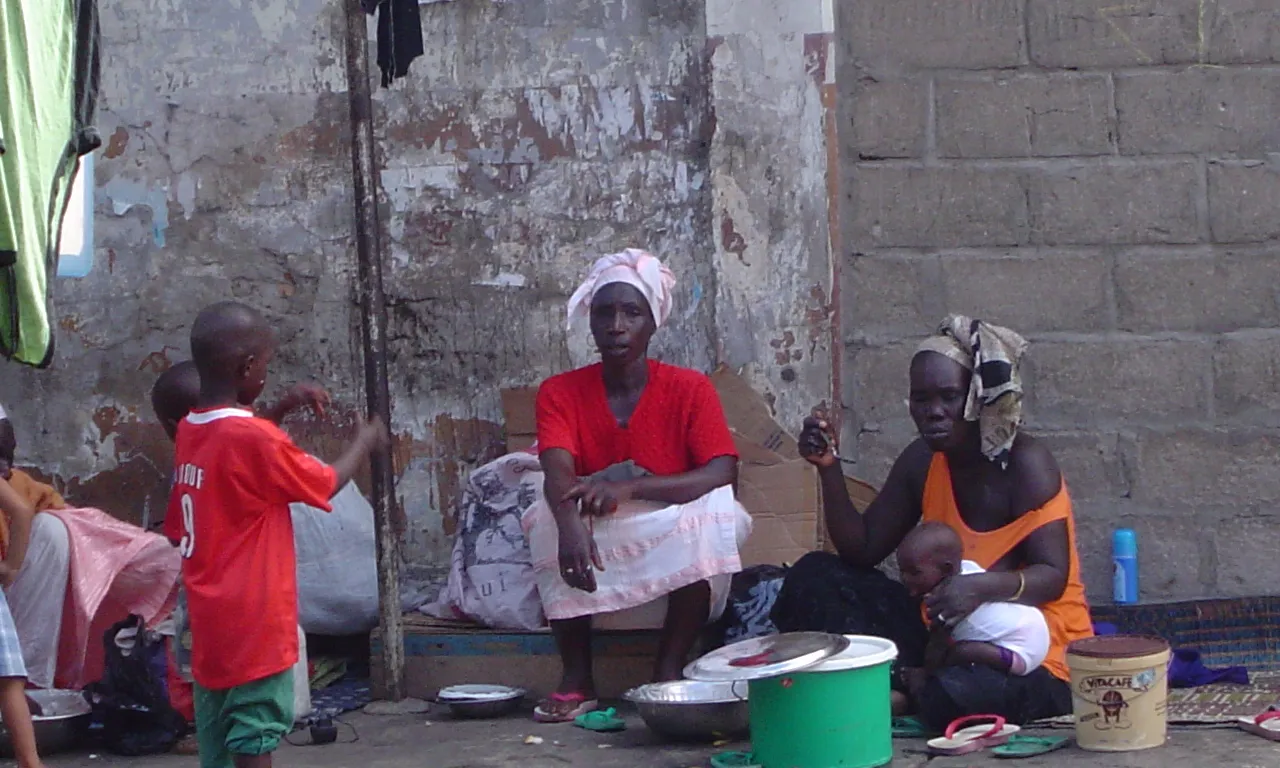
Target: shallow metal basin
<point>690,710</point>
<point>63,726</point>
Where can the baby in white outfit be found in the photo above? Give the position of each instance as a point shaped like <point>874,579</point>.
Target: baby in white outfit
<point>1010,637</point>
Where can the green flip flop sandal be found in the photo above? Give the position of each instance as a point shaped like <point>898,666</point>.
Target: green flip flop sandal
<point>601,721</point>
<point>734,760</point>
<point>908,728</point>
<point>1019,746</point>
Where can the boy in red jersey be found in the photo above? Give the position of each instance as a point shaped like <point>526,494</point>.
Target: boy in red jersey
<point>235,477</point>
<point>175,394</point>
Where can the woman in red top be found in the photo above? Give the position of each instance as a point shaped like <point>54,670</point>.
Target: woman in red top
<point>639,525</point>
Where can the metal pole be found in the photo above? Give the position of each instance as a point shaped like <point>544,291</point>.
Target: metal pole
<point>373,324</point>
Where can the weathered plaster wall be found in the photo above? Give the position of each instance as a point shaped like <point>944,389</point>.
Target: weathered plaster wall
<point>532,137</point>
<point>535,137</point>
<point>225,174</point>
<point>538,135</point>
<point>1101,177</point>
<point>773,92</point>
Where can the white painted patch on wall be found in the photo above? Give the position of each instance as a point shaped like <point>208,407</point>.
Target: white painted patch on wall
<point>502,280</point>
<point>124,193</point>
<point>403,185</point>
<point>186,194</point>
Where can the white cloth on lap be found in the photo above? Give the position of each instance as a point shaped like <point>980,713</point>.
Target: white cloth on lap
<point>1019,629</point>
<point>649,551</point>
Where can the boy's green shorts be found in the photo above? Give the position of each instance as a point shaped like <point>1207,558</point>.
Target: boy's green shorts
<point>249,719</point>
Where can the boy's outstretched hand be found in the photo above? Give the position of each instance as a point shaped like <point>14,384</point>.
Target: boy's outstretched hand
<point>372,434</point>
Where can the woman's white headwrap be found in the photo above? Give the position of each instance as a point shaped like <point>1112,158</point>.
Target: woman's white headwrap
<point>634,267</point>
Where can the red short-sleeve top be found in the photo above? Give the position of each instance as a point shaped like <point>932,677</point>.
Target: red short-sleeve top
<point>678,425</point>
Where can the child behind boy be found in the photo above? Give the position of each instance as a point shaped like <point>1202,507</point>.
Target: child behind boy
<point>235,477</point>
<point>1009,637</point>
<point>15,708</point>
<point>175,393</point>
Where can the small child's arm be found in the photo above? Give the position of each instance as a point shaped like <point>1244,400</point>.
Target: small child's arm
<point>20,516</point>
<point>310,396</point>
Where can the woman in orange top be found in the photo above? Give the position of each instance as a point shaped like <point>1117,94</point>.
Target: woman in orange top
<point>1000,489</point>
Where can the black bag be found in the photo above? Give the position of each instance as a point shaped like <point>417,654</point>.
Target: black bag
<point>130,700</point>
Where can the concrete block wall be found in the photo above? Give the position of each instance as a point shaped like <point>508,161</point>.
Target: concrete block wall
<point>1102,178</point>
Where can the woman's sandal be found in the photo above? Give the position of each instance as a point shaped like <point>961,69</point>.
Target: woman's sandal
<point>601,721</point>
<point>544,714</point>
<point>1266,725</point>
<point>959,740</point>
<point>1020,746</point>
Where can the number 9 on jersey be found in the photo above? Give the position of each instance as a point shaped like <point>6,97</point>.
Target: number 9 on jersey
<point>188,544</point>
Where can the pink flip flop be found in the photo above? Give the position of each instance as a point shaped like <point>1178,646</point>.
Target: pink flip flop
<point>959,740</point>
<point>584,705</point>
<point>1266,725</point>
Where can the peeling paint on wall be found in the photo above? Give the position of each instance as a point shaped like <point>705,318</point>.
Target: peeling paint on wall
<point>530,139</point>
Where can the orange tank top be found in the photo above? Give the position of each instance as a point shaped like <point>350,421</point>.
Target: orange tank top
<point>1068,616</point>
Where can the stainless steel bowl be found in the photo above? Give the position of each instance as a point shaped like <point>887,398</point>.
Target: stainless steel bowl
<point>473,710</point>
<point>477,701</point>
<point>690,710</point>
<point>63,726</point>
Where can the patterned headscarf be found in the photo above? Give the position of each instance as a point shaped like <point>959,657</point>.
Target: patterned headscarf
<point>634,267</point>
<point>993,354</point>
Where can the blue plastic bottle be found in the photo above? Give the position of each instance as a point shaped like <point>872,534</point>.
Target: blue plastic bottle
<point>1124,555</point>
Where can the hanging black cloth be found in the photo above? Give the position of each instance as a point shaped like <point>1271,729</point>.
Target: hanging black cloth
<point>399,35</point>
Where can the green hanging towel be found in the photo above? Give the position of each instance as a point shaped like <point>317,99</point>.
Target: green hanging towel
<point>48,89</point>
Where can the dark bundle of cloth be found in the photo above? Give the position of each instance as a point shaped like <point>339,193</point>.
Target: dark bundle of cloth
<point>399,36</point>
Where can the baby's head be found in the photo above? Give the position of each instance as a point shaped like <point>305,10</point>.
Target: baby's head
<point>175,394</point>
<point>929,554</point>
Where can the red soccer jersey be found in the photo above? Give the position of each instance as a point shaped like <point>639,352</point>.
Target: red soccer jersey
<point>677,426</point>
<point>235,476</point>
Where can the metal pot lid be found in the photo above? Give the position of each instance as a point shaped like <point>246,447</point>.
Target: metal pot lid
<point>765,657</point>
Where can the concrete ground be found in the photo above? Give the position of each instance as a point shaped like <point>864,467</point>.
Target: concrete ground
<point>437,741</point>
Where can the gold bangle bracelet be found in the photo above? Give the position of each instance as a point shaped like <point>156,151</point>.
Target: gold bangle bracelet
<point>1022,585</point>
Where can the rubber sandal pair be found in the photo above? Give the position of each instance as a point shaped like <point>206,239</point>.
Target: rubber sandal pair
<point>996,734</point>
<point>601,721</point>
<point>1266,725</point>
<point>581,706</point>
